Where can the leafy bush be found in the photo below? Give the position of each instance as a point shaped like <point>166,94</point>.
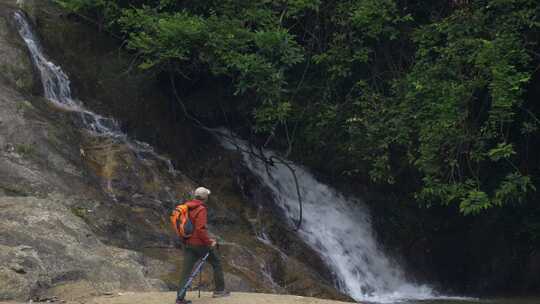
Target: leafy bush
<point>429,95</point>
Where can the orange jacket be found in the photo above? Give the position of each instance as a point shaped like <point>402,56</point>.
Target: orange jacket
<point>198,216</point>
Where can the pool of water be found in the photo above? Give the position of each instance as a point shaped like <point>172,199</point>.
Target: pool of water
<point>478,301</point>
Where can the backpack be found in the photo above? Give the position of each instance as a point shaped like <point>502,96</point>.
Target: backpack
<point>181,223</point>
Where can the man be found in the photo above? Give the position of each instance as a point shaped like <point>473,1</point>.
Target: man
<point>196,246</point>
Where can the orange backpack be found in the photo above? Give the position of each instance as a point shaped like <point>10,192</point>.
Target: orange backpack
<point>181,222</point>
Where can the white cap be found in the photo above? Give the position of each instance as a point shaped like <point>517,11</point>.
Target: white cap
<point>202,193</point>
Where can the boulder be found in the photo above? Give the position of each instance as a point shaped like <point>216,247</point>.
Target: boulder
<point>43,245</point>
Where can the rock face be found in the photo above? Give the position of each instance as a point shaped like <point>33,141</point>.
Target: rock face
<point>86,215</point>
<point>44,241</point>
<point>15,66</point>
<point>45,245</point>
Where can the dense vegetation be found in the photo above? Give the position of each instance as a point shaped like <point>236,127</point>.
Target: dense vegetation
<point>436,96</point>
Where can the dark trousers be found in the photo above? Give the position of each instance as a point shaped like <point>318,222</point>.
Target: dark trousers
<point>192,254</point>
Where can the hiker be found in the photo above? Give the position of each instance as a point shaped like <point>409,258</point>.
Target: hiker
<point>198,244</point>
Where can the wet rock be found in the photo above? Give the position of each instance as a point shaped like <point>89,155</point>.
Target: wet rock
<point>15,65</point>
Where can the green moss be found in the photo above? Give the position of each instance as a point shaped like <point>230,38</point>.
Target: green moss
<point>24,105</point>
<point>12,190</point>
<point>54,136</point>
<point>25,150</point>
<point>79,211</point>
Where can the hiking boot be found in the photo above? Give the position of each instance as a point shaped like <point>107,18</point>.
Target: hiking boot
<point>220,294</point>
<point>183,301</point>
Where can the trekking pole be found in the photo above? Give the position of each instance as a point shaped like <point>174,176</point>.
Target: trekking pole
<point>194,274</point>
<point>200,282</point>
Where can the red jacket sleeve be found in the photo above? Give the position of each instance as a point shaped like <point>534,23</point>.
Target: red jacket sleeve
<point>201,227</point>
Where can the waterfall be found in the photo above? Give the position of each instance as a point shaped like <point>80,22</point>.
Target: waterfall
<point>336,227</point>
<point>56,87</point>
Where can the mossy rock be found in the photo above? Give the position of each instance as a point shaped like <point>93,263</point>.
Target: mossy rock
<point>15,62</point>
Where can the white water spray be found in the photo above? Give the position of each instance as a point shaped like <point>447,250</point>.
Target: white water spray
<point>338,228</point>
<point>57,90</point>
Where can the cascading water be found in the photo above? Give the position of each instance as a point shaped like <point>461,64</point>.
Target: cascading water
<point>339,229</point>
<point>57,90</point>
<point>55,82</point>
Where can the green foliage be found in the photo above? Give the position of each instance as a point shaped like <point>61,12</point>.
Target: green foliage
<point>474,202</point>
<point>501,151</point>
<point>270,114</point>
<point>103,10</point>
<point>161,38</point>
<point>432,95</point>
<point>466,89</point>
<point>513,188</point>
<point>376,19</point>
<point>179,40</point>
